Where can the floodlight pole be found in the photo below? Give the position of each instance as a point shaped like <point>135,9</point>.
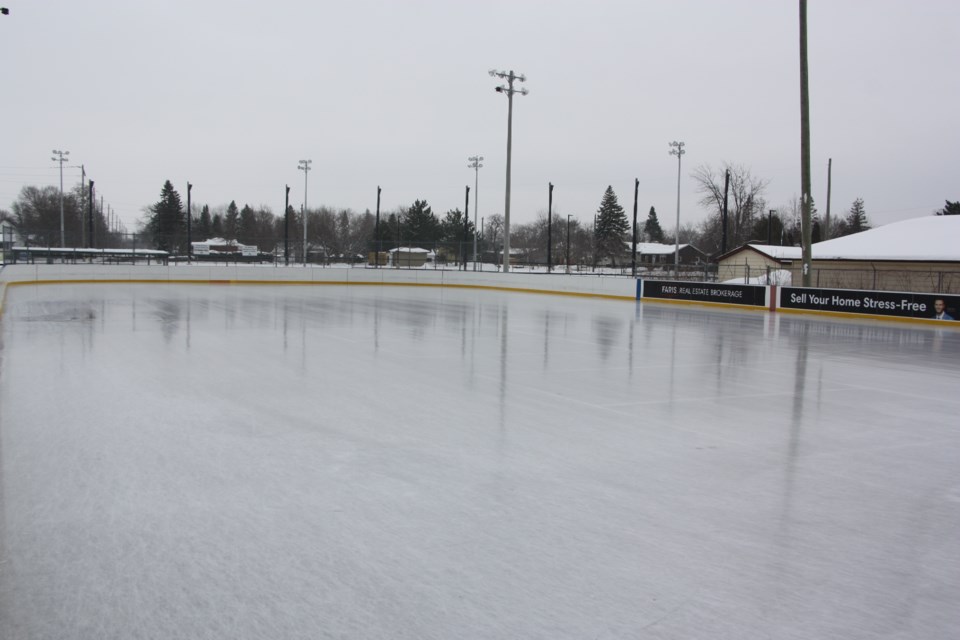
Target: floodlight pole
<point>510,76</point>
<point>677,150</point>
<point>304,165</point>
<point>476,166</point>
<point>61,157</point>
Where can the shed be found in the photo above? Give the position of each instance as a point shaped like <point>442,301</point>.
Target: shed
<point>411,257</point>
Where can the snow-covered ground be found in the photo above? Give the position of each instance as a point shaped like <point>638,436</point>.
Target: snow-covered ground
<point>195,461</point>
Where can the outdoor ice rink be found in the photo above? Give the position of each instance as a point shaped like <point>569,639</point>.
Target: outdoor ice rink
<point>201,461</point>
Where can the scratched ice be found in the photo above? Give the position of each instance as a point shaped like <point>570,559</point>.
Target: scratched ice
<point>335,462</point>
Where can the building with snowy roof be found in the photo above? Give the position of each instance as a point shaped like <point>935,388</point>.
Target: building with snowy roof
<point>921,254</point>
<point>410,257</point>
<point>653,253</point>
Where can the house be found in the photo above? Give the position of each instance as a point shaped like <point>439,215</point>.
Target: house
<point>921,254</point>
<point>409,257</point>
<point>656,253</point>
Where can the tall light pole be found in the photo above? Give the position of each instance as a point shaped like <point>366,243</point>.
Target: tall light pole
<point>677,150</point>
<point>569,215</point>
<point>475,165</point>
<point>304,165</point>
<point>510,76</point>
<point>61,157</point>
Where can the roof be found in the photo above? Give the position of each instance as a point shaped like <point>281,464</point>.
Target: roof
<point>927,239</point>
<point>657,248</point>
<point>776,252</point>
<point>409,250</point>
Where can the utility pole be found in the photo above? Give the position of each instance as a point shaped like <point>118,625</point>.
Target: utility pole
<point>61,157</point>
<point>476,166</point>
<point>90,231</point>
<point>304,165</point>
<point>83,197</point>
<point>805,226</point>
<point>570,215</point>
<point>633,254</point>
<point>379,245</point>
<point>510,77</point>
<point>677,150</point>
<point>826,227</point>
<point>286,227</point>
<point>550,229</point>
<point>466,227</point>
<point>189,225</point>
<point>726,188</point>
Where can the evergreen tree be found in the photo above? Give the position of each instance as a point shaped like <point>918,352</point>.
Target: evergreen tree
<point>950,209</point>
<point>611,226</point>
<point>856,220</point>
<point>420,225</point>
<point>453,227</point>
<point>231,223</point>
<point>652,227</point>
<point>167,219</point>
<point>205,225</point>
<point>247,226</point>
<point>389,226</point>
<point>216,226</point>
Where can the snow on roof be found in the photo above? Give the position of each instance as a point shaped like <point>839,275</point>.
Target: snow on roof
<point>409,250</point>
<point>656,248</point>
<point>931,239</point>
<point>927,239</point>
<point>780,253</point>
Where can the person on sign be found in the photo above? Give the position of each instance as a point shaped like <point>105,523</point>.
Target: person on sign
<point>940,310</point>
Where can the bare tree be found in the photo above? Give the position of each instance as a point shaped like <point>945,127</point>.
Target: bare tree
<point>744,203</point>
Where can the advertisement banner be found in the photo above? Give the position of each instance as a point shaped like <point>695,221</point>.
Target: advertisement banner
<point>877,303</point>
<point>741,294</point>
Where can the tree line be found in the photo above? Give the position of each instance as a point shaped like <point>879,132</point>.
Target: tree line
<point>344,234</point>
<point>36,215</point>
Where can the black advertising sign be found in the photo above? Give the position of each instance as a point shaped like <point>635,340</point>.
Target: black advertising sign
<point>878,303</point>
<point>741,294</point>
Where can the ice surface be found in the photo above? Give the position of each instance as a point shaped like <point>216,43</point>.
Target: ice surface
<point>202,461</point>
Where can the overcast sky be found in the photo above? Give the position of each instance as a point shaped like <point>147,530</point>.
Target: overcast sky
<point>229,95</point>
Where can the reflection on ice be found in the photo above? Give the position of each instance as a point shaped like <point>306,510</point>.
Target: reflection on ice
<point>251,462</point>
